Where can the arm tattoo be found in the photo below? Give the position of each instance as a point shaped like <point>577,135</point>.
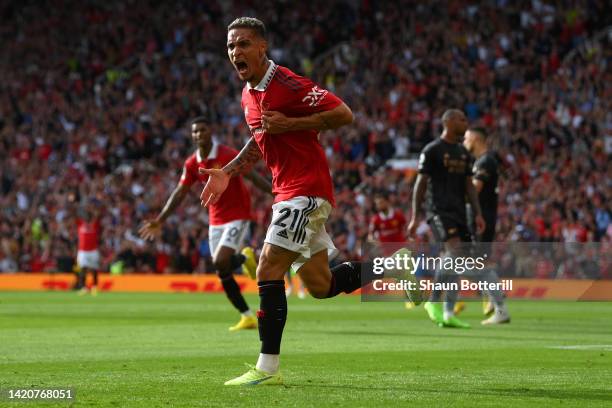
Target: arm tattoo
<point>248,156</point>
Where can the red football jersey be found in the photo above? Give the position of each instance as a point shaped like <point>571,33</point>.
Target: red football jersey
<point>296,159</point>
<point>389,227</point>
<point>89,233</point>
<point>235,202</point>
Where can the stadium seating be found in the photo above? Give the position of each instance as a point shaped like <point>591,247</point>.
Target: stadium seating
<point>96,115</point>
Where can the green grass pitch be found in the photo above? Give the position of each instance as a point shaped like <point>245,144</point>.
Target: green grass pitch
<point>174,350</point>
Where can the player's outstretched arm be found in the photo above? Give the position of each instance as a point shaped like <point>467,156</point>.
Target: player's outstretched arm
<point>417,201</point>
<point>276,122</point>
<point>218,179</point>
<point>152,228</point>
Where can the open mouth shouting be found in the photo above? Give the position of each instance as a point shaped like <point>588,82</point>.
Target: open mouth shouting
<point>242,68</point>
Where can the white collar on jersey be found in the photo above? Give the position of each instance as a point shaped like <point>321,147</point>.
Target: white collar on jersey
<point>390,214</point>
<point>265,81</point>
<point>211,155</point>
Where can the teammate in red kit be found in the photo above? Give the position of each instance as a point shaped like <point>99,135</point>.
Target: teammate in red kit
<point>229,218</point>
<point>88,256</point>
<point>285,113</point>
<point>388,224</point>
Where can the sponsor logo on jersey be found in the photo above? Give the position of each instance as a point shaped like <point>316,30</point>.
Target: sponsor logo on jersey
<point>256,131</point>
<point>315,96</point>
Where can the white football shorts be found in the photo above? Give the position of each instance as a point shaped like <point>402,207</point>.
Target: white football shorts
<point>298,224</point>
<point>231,234</point>
<point>88,259</point>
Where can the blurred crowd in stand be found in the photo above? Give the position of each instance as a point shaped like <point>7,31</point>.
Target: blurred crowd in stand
<point>96,97</point>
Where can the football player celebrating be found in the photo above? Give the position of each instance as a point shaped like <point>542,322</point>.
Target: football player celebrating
<point>285,113</point>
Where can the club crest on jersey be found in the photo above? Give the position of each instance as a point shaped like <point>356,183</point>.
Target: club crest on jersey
<point>315,96</point>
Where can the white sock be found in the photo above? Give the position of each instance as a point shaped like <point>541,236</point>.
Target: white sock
<point>448,315</point>
<point>268,363</point>
<point>247,313</point>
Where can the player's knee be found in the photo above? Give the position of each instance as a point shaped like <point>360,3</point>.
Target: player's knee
<point>269,269</point>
